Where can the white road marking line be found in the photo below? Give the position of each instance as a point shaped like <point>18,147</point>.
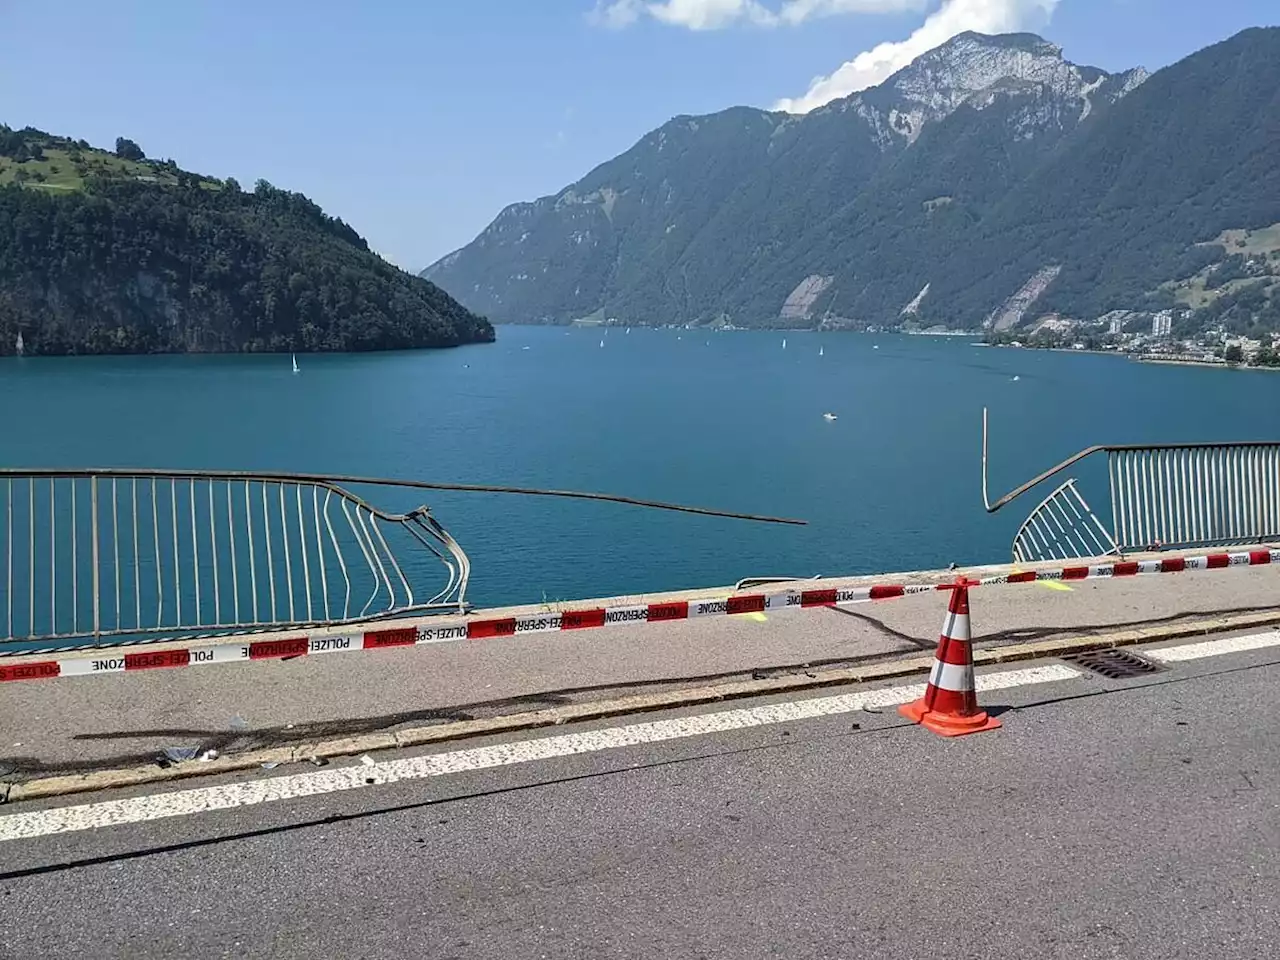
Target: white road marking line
<point>1215,648</point>
<point>181,803</point>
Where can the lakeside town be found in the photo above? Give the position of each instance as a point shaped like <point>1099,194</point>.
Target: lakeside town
<point>1157,337</point>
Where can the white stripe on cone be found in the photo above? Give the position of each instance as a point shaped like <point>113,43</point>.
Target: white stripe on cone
<point>953,677</point>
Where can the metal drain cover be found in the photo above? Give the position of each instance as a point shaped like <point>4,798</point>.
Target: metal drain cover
<point>1113,664</point>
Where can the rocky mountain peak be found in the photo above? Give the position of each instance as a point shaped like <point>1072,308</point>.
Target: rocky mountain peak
<point>971,68</point>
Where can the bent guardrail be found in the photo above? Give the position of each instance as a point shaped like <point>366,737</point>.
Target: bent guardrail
<point>127,555</point>
<point>133,553</point>
<point>1162,497</point>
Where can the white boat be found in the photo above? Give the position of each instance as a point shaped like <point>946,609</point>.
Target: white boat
<point>821,351</point>
<point>876,347</point>
<point>829,417</point>
<point>602,343</point>
<point>784,343</point>
<point>1016,379</point>
<point>628,329</point>
<point>295,363</point>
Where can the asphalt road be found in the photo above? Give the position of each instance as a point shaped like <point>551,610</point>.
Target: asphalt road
<point>1134,819</point>
<point>120,720</point>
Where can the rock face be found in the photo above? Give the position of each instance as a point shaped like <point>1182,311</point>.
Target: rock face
<point>975,69</point>
<point>983,163</point>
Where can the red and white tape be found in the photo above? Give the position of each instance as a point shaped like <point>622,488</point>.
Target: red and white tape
<point>446,630</point>
<point>1139,568</point>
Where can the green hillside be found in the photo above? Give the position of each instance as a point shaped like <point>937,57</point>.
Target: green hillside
<point>104,252</point>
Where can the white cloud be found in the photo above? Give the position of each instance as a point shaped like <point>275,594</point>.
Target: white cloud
<point>954,17</point>
<point>716,14</point>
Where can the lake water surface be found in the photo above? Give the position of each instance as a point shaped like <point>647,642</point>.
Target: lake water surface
<point>728,420</point>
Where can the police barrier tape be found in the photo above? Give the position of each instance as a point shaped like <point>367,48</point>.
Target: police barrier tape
<point>121,660</point>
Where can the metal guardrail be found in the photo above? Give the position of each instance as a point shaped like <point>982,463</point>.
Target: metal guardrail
<point>134,554</point>
<point>1162,497</point>
<point>109,556</point>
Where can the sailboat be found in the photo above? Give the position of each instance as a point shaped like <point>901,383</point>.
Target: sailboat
<point>784,343</point>
<point>19,347</point>
<point>602,343</point>
<point>821,351</point>
<point>295,363</point>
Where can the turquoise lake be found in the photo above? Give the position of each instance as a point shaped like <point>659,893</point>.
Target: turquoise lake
<point>725,420</point>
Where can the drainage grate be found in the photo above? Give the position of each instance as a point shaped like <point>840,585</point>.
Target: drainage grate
<point>1113,664</point>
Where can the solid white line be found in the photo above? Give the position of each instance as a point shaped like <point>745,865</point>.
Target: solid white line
<point>1215,648</point>
<point>182,803</point>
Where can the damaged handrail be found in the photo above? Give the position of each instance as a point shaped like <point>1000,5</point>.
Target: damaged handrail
<point>1162,496</point>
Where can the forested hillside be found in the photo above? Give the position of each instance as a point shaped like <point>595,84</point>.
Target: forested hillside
<point>112,253</point>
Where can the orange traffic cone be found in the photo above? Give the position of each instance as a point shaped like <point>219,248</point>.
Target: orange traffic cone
<point>950,703</point>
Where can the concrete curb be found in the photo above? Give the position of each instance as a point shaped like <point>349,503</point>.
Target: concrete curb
<point>57,786</point>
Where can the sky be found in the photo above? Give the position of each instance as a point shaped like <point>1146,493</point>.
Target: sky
<point>417,121</point>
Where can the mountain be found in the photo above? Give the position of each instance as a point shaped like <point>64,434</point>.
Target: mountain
<point>989,182</point>
<point>113,253</point>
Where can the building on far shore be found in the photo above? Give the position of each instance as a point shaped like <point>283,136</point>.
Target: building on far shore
<point>1162,323</point>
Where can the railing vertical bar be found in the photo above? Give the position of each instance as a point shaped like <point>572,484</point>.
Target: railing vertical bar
<point>288,563</point>
<point>213,548</point>
<point>395,564</point>
<point>1085,532</point>
<point>1270,480</point>
<point>1223,494</point>
<point>360,541</point>
<point>1148,528</point>
<point>1117,508</point>
<point>1189,464</point>
<point>115,548</point>
<point>1055,512</point>
<point>1081,504</point>
<point>8,592</point>
<point>177,560</point>
<point>93,514</point>
<point>1175,495</point>
<point>1178,465</point>
<point>1259,496</point>
<point>1135,479</point>
<point>1162,498</point>
<point>1255,519</point>
<point>75,579</point>
<point>1242,497</point>
<point>1192,499</point>
<point>1048,543</point>
<point>337,549</point>
<point>1062,521</point>
<point>53,560</point>
<point>1211,492</point>
<point>137,564</point>
<point>1133,461</point>
<point>31,558</point>
<point>1202,467</point>
<point>1233,494</point>
<point>195,548</point>
<point>253,563</point>
<point>324,576</point>
<point>1183,517</point>
<point>235,577</point>
<point>155,537</point>
<point>302,546</point>
<point>1264,494</point>
<point>266,534</point>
